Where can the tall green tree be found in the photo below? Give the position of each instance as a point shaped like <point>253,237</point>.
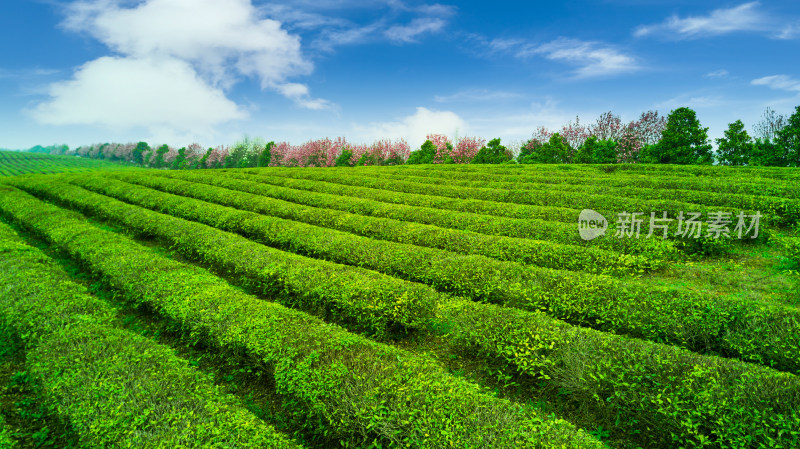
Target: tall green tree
<point>492,153</point>
<point>139,151</point>
<point>596,151</point>
<point>554,151</point>
<point>265,157</point>
<point>788,140</point>
<point>683,141</point>
<point>424,155</point>
<point>736,147</point>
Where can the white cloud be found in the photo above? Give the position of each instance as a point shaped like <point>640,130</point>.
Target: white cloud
<point>133,92</point>
<point>722,73</point>
<point>694,102</point>
<point>745,17</point>
<point>779,82</point>
<point>206,44</point>
<point>789,31</point>
<point>592,58</point>
<point>415,127</point>
<point>409,33</point>
<point>476,95</point>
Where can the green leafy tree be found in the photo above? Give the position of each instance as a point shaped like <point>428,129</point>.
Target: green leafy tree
<point>596,151</point>
<point>736,147</point>
<point>788,140</point>
<point>554,151</point>
<point>424,155</point>
<point>158,161</point>
<point>265,157</point>
<point>139,151</point>
<point>765,153</point>
<point>180,160</point>
<point>344,159</point>
<point>492,153</point>
<point>683,141</point>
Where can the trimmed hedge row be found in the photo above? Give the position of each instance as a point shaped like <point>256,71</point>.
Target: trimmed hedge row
<point>760,332</point>
<point>400,224</point>
<point>786,209</point>
<point>671,397</point>
<point>366,300</point>
<point>114,387</point>
<point>648,169</point>
<point>544,197</point>
<point>343,385</point>
<point>491,178</point>
<point>471,206</point>
<point>295,236</point>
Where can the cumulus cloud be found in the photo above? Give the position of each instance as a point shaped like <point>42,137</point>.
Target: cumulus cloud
<point>779,82</point>
<point>125,92</point>
<point>178,56</point>
<point>415,127</point>
<point>745,17</point>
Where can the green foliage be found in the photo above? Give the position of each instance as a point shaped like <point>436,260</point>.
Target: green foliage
<point>424,155</point>
<point>361,298</point>
<point>341,385</point>
<point>344,159</point>
<point>767,154</point>
<point>20,163</point>
<point>248,153</point>
<point>736,147</point>
<point>790,247</point>
<point>265,157</point>
<point>492,153</point>
<point>116,388</point>
<point>180,161</point>
<point>158,161</point>
<point>601,301</point>
<point>595,151</point>
<point>683,141</point>
<point>647,386</point>
<point>555,151</point>
<point>139,151</point>
<point>395,226</point>
<point>788,140</point>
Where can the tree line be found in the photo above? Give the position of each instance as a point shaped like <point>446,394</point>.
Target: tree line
<point>678,138</point>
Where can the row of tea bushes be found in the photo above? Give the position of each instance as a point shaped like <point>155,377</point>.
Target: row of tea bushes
<point>114,388</point>
<point>743,185</point>
<point>732,327</point>
<point>342,385</point>
<point>367,300</point>
<point>434,243</point>
<point>403,222</point>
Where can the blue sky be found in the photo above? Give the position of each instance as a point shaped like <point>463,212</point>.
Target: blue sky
<point>211,71</point>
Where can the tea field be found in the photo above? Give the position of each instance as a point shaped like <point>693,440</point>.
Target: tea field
<point>14,163</point>
<point>429,306</point>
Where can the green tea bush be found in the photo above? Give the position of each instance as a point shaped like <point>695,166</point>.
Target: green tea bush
<point>368,300</point>
<point>729,326</point>
<point>276,231</point>
<point>671,397</point>
<point>115,388</point>
<point>366,224</point>
<point>344,386</point>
